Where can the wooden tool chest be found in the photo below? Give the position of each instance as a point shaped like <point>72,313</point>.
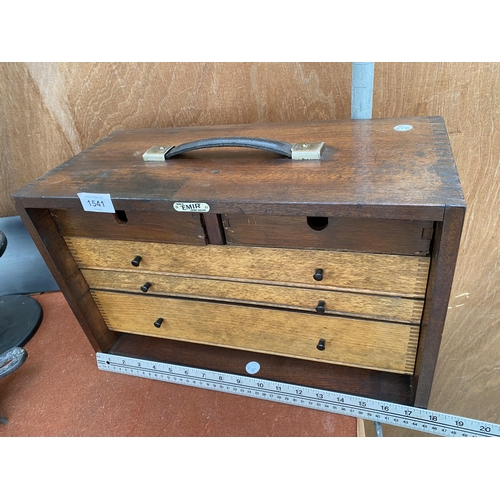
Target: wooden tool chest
<point>332,271</point>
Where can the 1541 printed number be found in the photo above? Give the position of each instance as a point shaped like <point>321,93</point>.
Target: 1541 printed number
<point>96,202</point>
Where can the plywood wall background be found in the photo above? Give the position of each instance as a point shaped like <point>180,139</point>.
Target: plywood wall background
<point>51,111</point>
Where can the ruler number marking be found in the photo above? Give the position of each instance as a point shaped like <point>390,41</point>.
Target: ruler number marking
<point>420,419</point>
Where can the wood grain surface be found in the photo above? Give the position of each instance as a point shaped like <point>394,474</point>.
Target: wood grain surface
<point>374,384</point>
<point>340,233</point>
<point>367,344</point>
<point>67,275</point>
<point>397,275</point>
<point>183,228</point>
<point>395,309</point>
<point>467,378</point>
<point>59,109</point>
<point>368,169</point>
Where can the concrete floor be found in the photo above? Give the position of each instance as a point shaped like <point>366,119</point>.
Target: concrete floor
<point>60,392</point>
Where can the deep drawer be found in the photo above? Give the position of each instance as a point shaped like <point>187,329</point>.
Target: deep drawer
<point>336,233</point>
<point>368,273</point>
<point>369,344</point>
<point>183,228</point>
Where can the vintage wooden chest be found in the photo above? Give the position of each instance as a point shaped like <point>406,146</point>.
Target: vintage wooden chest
<point>332,272</point>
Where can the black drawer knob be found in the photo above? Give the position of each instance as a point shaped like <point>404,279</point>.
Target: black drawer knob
<point>158,322</point>
<point>136,261</point>
<point>146,287</point>
<point>318,275</point>
<point>321,345</point>
<point>320,308</point>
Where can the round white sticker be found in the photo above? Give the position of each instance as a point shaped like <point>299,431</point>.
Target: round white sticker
<point>403,128</point>
<point>253,367</point>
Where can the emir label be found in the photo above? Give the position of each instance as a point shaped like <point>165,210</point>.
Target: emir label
<point>191,206</point>
<point>97,202</point>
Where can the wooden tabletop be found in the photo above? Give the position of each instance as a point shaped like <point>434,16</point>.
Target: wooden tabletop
<point>369,168</point>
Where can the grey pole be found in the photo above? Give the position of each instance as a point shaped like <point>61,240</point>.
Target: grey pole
<point>362,90</point>
<point>361,108</point>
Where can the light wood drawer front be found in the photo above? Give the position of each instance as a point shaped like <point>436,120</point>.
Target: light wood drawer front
<point>352,304</point>
<point>385,274</point>
<point>368,344</point>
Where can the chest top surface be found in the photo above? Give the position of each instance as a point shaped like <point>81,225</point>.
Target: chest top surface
<point>368,168</point>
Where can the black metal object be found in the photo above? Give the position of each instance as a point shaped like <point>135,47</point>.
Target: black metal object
<point>146,286</point>
<point>3,243</point>
<point>11,360</point>
<point>158,322</point>
<point>136,261</point>
<point>318,275</point>
<point>320,308</point>
<point>20,317</point>
<point>321,345</point>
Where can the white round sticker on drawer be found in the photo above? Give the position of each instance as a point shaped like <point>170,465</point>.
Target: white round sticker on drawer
<point>253,367</point>
<point>191,206</point>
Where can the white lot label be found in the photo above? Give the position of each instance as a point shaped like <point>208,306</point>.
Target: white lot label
<point>191,206</point>
<point>97,202</point>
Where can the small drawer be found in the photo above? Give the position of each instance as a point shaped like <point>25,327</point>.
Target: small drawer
<point>367,273</point>
<point>183,228</point>
<point>336,233</point>
<point>395,309</point>
<point>375,345</point>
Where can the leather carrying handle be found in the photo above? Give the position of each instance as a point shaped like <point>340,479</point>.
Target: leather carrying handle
<point>299,151</point>
<point>281,148</point>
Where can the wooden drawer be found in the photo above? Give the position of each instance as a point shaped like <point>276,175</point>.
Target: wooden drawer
<point>337,233</point>
<point>339,303</point>
<point>183,228</point>
<point>370,344</point>
<point>368,273</point>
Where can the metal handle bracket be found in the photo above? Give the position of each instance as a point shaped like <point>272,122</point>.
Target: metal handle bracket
<point>307,150</point>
